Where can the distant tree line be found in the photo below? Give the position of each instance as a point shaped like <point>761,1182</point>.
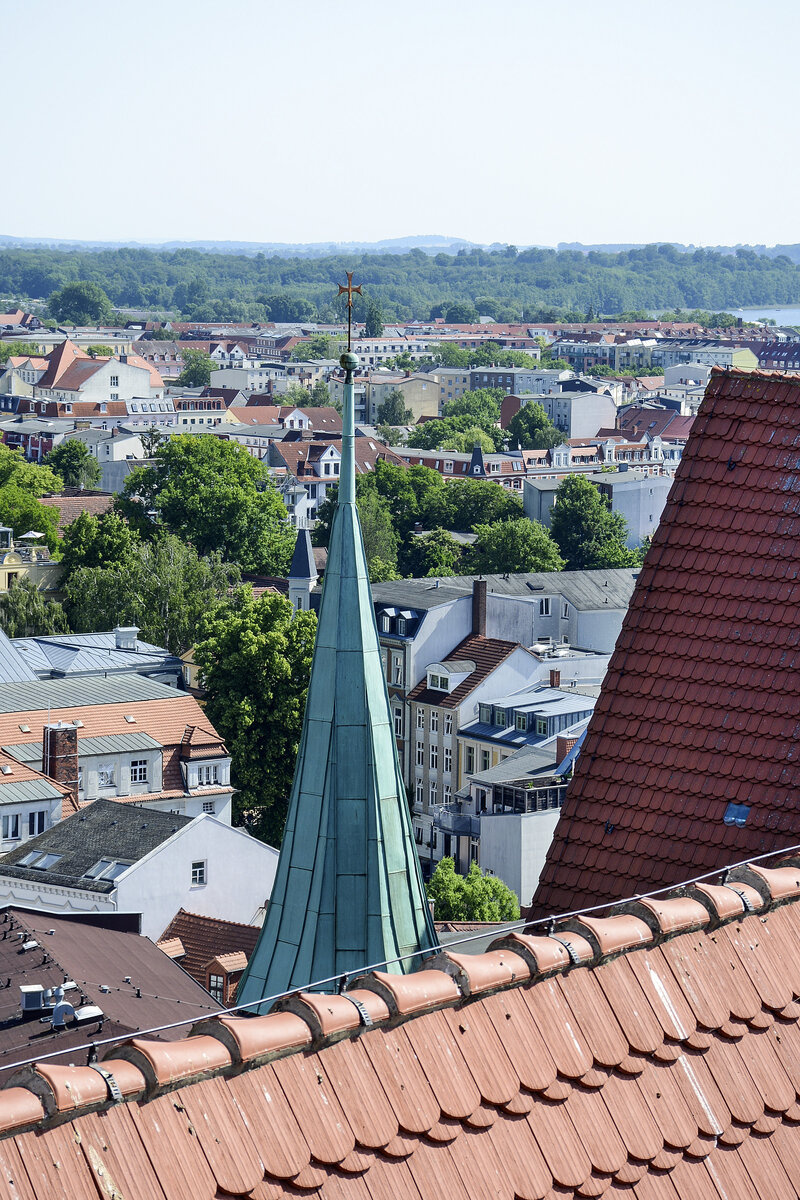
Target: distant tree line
<point>506,285</point>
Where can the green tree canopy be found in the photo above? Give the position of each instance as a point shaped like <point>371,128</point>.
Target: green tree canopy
<point>472,897</point>
<point>30,477</point>
<point>90,541</point>
<point>512,546</point>
<point>392,410</point>
<point>532,429</point>
<point>319,396</point>
<point>373,319</point>
<point>197,368</point>
<point>466,503</point>
<point>20,510</point>
<point>215,495</point>
<point>589,535</point>
<point>255,659</point>
<point>72,460</point>
<point>81,303</point>
<point>318,346</point>
<point>433,554</point>
<point>482,405</point>
<point>15,350</point>
<point>25,612</point>
<point>163,587</point>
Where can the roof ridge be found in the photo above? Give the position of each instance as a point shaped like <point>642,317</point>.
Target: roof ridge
<point>41,1094</point>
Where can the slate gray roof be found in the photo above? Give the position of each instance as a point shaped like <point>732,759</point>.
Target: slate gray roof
<point>585,590</point>
<point>77,653</point>
<point>303,566</point>
<point>75,693</point>
<point>113,743</point>
<point>13,668</point>
<point>104,829</point>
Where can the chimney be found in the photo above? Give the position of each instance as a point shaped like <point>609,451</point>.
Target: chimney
<point>60,755</point>
<point>479,607</point>
<point>555,678</point>
<point>563,747</point>
<point>125,637</point>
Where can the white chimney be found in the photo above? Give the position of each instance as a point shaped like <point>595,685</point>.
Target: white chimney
<point>125,637</point>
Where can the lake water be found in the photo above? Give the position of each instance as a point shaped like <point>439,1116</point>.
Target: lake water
<point>781,316</point>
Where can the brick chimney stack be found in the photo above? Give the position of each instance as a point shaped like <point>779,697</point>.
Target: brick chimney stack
<point>479,607</point>
<point>563,747</point>
<point>60,755</point>
<point>555,678</point>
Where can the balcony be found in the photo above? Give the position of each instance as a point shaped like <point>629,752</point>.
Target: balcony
<point>450,819</point>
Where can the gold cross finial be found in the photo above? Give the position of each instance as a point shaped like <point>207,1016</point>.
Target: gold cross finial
<point>349,291</point>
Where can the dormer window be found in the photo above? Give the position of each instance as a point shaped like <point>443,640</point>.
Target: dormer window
<point>485,714</point>
<point>521,722</point>
<point>386,623</point>
<point>439,682</point>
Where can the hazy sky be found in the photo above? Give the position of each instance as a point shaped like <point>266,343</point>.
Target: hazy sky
<point>520,121</point>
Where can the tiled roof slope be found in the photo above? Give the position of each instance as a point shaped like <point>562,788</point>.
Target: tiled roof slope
<point>698,710</point>
<point>654,1053</point>
<point>486,653</point>
<point>205,938</point>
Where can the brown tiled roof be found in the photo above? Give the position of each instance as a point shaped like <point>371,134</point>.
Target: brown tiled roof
<point>94,952</point>
<point>653,1053</point>
<point>206,938</point>
<point>690,758</point>
<point>486,653</point>
<point>71,507</point>
<point>59,360</point>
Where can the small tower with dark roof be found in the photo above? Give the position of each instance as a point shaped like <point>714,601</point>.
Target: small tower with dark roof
<point>303,572</point>
<point>348,892</point>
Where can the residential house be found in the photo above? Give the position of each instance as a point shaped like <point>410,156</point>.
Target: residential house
<point>637,496</point>
<point>63,655</point>
<point>165,357</point>
<point>214,952</point>
<point>114,857</point>
<point>315,464</point>
<point>439,706</point>
<point>26,560</point>
<point>669,352</point>
<point>504,817</point>
<point>578,414</point>
<point>121,736</point>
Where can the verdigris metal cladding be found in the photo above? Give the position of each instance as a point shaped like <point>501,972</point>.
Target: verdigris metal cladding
<point>348,891</point>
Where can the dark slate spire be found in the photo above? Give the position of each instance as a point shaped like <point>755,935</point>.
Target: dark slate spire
<point>477,470</point>
<point>348,890</point>
<point>303,566</point>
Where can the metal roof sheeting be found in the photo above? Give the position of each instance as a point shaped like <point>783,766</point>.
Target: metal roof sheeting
<point>23,791</point>
<point>75,693</point>
<point>114,743</point>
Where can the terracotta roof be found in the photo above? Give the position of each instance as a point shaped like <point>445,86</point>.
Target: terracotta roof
<point>135,360</point>
<point>654,1052</point>
<point>15,772</point>
<point>206,938</point>
<point>71,507</point>
<point>690,759</point>
<point>59,361</point>
<point>657,422</point>
<point>486,653</point>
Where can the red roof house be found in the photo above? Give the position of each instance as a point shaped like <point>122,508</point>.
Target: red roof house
<point>691,757</point>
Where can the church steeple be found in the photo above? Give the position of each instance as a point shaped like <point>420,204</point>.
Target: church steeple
<point>348,890</point>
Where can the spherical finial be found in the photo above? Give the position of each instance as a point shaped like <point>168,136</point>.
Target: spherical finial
<point>348,361</point>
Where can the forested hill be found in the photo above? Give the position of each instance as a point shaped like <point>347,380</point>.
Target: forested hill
<point>504,284</point>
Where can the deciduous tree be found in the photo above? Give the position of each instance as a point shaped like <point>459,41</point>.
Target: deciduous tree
<point>392,410</point>
<point>163,587</point>
<point>215,495</point>
<point>25,612</point>
<point>197,368</point>
<point>512,546</point>
<point>72,460</point>
<point>472,897</point>
<point>532,429</point>
<point>81,303</point>
<point>255,659</point>
<point>90,541</point>
<point>589,535</point>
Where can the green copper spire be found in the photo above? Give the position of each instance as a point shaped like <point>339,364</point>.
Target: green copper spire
<point>348,890</point>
